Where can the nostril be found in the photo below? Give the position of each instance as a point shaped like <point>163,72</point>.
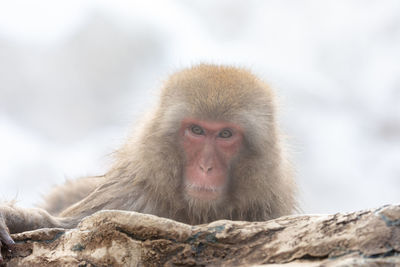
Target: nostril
<point>205,169</point>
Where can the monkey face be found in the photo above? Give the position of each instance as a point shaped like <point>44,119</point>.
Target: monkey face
<point>209,148</point>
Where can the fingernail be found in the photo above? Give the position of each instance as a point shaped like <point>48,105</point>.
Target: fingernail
<point>9,241</point>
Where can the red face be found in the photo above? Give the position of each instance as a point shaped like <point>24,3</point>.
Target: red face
<point>210,148</point>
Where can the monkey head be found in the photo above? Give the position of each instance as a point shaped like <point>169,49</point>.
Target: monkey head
<point>210,150</point>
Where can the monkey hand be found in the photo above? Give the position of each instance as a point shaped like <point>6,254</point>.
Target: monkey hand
<point>5,238</point>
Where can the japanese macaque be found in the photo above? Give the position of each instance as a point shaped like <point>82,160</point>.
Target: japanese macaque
<point>210,150</point>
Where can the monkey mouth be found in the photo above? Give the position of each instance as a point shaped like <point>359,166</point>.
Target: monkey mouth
<point>203,192</point>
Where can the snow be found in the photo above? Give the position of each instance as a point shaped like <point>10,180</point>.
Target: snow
<point>76,75</point>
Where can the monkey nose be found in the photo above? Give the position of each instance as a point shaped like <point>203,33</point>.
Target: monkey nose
<point>206,169</point>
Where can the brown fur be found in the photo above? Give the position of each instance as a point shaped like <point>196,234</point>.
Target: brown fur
<point>72,191</point>
<point>147,173</point>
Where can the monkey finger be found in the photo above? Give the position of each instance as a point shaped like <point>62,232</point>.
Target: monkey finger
<point>6,239</point>
<point>1,256</point>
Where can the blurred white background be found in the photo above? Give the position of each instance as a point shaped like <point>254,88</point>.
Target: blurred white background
<point>75,75</point>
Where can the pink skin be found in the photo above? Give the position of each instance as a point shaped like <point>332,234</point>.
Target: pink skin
<point>208,155</point>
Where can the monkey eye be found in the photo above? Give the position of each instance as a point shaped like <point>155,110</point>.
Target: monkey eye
<point>197,130</point>
<point>225,133</point>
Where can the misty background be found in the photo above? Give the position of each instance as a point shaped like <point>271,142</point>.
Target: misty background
<point>76,75</point>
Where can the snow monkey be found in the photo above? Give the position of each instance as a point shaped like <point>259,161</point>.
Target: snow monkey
<point>210,150</point>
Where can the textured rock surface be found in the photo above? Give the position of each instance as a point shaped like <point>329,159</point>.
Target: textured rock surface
<point>119,238</point>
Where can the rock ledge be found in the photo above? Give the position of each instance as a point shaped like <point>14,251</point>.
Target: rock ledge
<point>120,238</point>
